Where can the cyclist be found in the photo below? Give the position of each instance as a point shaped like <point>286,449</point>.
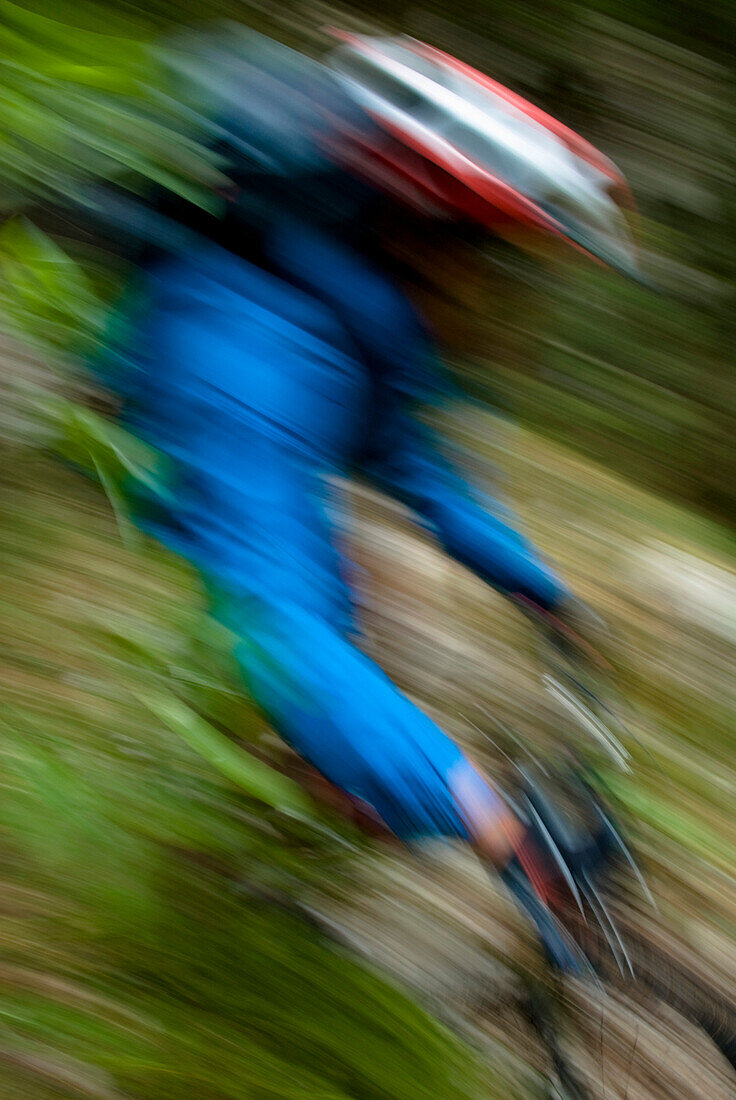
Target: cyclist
<point>274,351</point>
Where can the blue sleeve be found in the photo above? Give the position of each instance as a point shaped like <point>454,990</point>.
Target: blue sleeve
<point>467,521</point>
<point>404,458</point>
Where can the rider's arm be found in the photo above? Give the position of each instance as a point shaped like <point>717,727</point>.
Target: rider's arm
<point>391,340</point>
<point>465,519</point>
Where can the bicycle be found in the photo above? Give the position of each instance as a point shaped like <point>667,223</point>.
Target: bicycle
<point>605,943</point>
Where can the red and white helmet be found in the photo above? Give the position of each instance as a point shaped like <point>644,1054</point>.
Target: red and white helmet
<point>457,144</point>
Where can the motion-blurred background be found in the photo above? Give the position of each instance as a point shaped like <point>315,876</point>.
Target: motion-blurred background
<point>155,870</point>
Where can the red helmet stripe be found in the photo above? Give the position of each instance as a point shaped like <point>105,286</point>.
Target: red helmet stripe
<point>574,141</point>
<point>484,183</point>
<point>464,186</point>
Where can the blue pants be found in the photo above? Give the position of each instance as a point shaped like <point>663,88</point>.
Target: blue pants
<point>343,715</point>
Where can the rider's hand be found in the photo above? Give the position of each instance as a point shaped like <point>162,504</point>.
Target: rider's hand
<point>571,627</point>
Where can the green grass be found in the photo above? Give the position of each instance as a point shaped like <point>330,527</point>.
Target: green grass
<point>135,957</point>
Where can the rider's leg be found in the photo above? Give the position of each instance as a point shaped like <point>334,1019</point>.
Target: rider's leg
<point>252,389</point>
<point>340,712</point>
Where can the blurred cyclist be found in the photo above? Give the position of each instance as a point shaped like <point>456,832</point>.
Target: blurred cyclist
<point>274,351</point>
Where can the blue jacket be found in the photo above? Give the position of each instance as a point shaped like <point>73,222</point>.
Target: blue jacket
<point>261,387</point>
<point>263,377</point>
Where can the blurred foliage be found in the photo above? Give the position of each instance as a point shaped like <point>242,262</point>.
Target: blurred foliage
<point>82,104</point>
<point>46,296</point>
<point>141,956</point>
